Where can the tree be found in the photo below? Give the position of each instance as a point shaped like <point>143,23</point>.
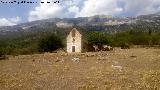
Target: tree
<point>150,32</point>
<point>50,43</point>
<point>97,38</point>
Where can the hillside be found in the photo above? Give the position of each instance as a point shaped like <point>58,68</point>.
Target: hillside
<point>95,23</point>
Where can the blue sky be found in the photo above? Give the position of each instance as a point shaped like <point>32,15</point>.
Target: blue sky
<point>14,10</point>
<point>12,14</point>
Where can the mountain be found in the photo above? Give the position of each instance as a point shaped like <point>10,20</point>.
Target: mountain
<point>98,22</point>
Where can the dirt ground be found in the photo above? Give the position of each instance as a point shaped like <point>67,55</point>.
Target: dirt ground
<point>132,69</point>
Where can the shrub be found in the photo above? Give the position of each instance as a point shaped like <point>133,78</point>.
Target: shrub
<point>1,52</point>
<point>97,38</point>
<point>121,39</point>
<point>50,43</point>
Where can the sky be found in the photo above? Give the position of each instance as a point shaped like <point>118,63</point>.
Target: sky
<point>14,13</point>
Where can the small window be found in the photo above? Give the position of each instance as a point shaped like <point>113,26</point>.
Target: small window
<point>73,33</point>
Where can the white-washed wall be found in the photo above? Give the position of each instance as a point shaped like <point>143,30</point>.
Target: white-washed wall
<point>77,43</point>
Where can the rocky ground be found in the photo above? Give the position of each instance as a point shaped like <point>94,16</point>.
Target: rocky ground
<point>132,69</point>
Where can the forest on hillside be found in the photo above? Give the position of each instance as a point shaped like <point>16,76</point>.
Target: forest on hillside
<point>49,39</point>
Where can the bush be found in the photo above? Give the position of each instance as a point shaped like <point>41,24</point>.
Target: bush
<point>156,40</point>
<point>121,39</point>
<point>124,39</point>
<point>142,40</point>
<point>50,43</point>
<point>2,54</point>
<point>135,38</point>
<point>3,51</point>
<point>97,38</point>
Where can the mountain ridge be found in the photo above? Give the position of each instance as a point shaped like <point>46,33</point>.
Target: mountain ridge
<point>98,22</point>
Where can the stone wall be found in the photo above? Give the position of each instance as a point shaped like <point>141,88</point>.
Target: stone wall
<point>74,40</point>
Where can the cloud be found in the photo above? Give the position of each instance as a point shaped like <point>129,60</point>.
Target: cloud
<point>9,21</point>
<point>44,11</point>
<point>74,8</point>
<point>86,8</point>
<point>141,7</point>
<point>94,7</point>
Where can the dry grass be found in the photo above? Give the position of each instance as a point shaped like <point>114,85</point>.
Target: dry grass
<point>94,71</point>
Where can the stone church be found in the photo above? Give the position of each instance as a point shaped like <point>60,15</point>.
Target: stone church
<point>74,41</point>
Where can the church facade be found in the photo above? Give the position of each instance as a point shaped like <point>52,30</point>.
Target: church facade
<point>74,41</point>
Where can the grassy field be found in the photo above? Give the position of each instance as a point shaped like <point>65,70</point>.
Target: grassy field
<point>132,69</point>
